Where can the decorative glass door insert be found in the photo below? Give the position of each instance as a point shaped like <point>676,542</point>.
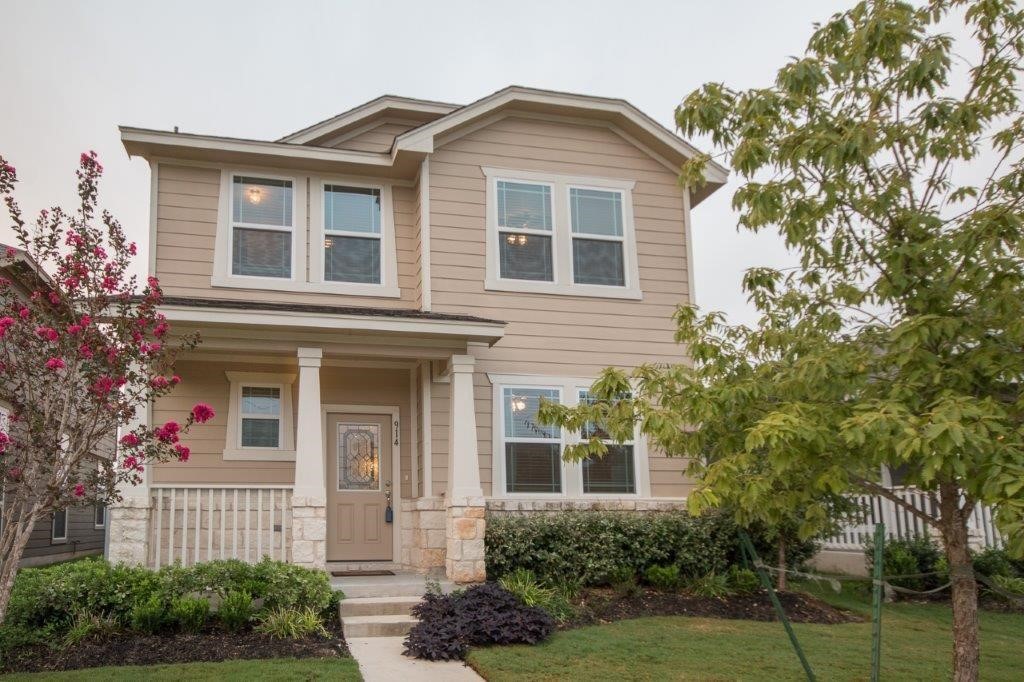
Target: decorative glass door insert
<point>358,456</point>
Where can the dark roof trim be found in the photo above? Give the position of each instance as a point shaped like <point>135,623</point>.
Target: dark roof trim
<point>398,313</point>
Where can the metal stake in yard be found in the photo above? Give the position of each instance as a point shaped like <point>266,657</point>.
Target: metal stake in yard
<point>766,583</point>
<point>876,604</point>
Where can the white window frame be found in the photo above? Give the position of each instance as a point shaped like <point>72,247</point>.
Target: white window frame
<point>572,472</point>
<point>388,286</point>
<point>621,239</point>
<point>578,438</point>
<point>501,230</point>
<point>500,438</point>
<point>222,273</point>
<point>103,523</point>
<point>561,236</point>
<point>54,538</point>
<point>233,450</point>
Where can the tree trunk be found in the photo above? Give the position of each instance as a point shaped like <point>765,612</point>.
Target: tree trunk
<point>966,649</point>
<point>12,546</point>
<point>780,581</point>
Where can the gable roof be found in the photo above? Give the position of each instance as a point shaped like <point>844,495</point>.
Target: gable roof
<point>380,106</point>
<point>305,148</point>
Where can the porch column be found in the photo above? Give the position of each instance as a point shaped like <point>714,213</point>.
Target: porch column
<point>309,498</point>
<point>464,500</point>
<point>128,531</point>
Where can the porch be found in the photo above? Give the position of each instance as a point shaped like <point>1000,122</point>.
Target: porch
<point>326,448</point>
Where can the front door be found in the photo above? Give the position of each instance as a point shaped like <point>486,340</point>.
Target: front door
<point>358,487</point>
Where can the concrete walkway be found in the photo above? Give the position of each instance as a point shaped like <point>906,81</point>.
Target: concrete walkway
<point>380,660</point>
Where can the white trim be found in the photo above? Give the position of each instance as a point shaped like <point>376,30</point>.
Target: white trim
<point>396,460</point>
<point>490,332</point>
<point>499,476</point>
<point>428,428</point>
<point>141,141</point>
<point>572,472</point>
<point>222,273</point>
<point>425,283</point>
<point>422,139</point>
<point>154,196</point>
<point>54,538</point>
<point>366,110</point>
<point>413,436</point>
<point>95,508</point>
<point>233,450</point>
<point>388,286</point>
<point>688,236</point>
<point>561,236</point>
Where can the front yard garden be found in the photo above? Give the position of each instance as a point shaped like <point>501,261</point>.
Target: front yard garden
<point>89,613</point>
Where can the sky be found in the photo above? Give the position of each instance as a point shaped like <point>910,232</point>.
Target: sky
<point>74,71</point>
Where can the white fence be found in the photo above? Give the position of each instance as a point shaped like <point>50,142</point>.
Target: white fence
<point>901,523</point>
<point>200,523</point>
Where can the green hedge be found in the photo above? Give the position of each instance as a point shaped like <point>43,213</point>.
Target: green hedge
<point>597,548</point>
<point>53,595</point>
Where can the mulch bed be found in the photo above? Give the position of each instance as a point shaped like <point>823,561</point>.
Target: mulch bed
<point>213,645</point>
<point>605,606</point>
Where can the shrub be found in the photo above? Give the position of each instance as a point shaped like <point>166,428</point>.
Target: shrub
<point>149,615</point>
<point>235,610</point>
<point>292,623</point>
<point>665,578</point>
<point>523,584</point>
<point>743,580</point>
<point>484,614</point>
<point>1008,588</point>
<point>85,625</point>
<point>996,562</point>
<point>53,595</point>
<point>710,585</point>
<point>910,556</point>
<point>190,614</point>
<point>600,547</point>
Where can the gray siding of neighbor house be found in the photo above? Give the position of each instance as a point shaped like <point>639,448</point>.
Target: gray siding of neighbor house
<point>83,538</point>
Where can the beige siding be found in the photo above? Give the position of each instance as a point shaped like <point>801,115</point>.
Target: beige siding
<point>546,334</point>
<point>377,138</point>
<point>203,381</point>
<point>187,219</point>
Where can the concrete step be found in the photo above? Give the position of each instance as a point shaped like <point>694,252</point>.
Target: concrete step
<point>385,586</point>
<point>377,626</point>
<point>377,606</point>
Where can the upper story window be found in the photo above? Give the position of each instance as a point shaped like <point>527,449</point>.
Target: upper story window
<point>305,233</point>
<point>352,234</point>
<point>558,234</point>
<point>525,221</point>
<point>262,226</point>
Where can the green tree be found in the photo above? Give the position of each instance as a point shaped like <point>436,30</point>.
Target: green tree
<point>888,158</point>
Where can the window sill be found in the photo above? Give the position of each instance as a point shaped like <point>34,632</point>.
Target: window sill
<point>552,289</point>
<point>252,455</point>
<point>337,288</point>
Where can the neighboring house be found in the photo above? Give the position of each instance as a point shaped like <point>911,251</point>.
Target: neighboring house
<point>384,298</point>
<point>73,532</point>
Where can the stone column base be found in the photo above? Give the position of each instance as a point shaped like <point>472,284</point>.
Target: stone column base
<point>129,531</point>
<point>423,534</point>
<point>309,532</point>
<point>464,530</point>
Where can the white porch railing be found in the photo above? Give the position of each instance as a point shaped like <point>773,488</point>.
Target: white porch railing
<point>205,522</point>
<point>901,523</point>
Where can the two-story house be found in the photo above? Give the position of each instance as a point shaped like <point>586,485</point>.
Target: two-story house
<point>384,298</point>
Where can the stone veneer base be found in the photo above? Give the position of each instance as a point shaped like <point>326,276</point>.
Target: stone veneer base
<point>465,525</point>
<point>128,541</point>
<point>309,532</point>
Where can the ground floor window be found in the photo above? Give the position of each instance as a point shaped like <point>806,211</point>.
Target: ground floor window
<point>59,528</point>
<point>528,454</point>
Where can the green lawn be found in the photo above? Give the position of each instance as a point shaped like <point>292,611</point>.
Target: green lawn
<point>915,646</point>
<point>341,669</point>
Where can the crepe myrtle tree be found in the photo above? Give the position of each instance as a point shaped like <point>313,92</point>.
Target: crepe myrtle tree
<point>888,158</point>
<point>80,354</point>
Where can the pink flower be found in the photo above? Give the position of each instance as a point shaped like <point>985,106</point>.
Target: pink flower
<point>24,313</point>
<point>54,297</point>
<point>74,239</point>
<point>74,328</point>
<point>4,441</point>
<point>79,490</point>
<point>168,433</point>
<point>153,282</point>
<point>133,249</point>
<point>130,440</point>
<point>161,330</point>
<point>103,386</point>
<point>47,333</point>
<point>203,413</point>
<point>159,382</point>
<point>55,364</point>
<point>5,324</point>
<point>109,284</point>
<point>85,321</point>
<point>11,251</point>
<point>99,252</point>
<point>130,462</point>
<point>175,380</point>
<point>183,452</point>
<point>85,351</point>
